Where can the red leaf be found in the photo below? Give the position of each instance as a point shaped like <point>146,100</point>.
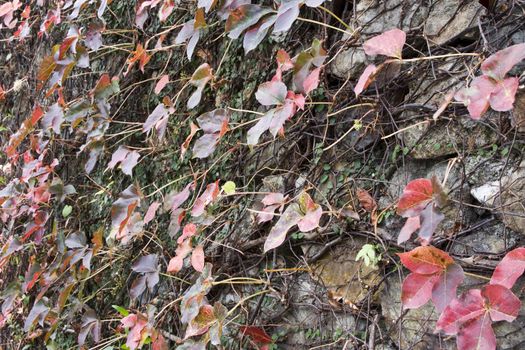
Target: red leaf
<point>366,78</point>
<point>243,17</point>
<point>390,43</point>
<point>187,232</point>
<point>416,195</point>
<point>258,334</point>
<point>510,268</point>
<point>163,81</point>
<point>417,290</point>
<point>471,316</point>
<point>197,258</point>
<point>289,218</point>
<point>184,147</point>
<point>500,63</point>
<point>426,260</point>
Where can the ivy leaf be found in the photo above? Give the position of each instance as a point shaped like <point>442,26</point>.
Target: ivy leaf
<point>243,17</point>
<point>500,63</point>
<point>257,334</point>
<point>510,268</point>
<point>411,225</point>
<point>426,260</point>
<point>254,36</point>
<point>150,214</point>
<point>53,118</point>
<point>305,214</point>
<point>287,13</point>
<point>199,79</point>
<point>127,159</point>
<point>288,219</point>
<point>122,210</point>
<point>163,81</point>
<point>175,199</point>
<point>209,195</point>
<point>503,96</point>
<point>271,93</point>
<point>312,81</point>
<point>416,196</point>
<point>366,78</point>
<point>229,187</point>
<point>366,201</point>
<point>390,44</point>
<point>197,258</point>
<point>191,32</point>
<point>158,119</point>
<point>66,211</point>
<point>38,313</point>
<point>430,219</point>
<point>184,147</point>
<point>477,96</point>
<point>166,9</point>
<point>90,325</point>
<point>205,145</point>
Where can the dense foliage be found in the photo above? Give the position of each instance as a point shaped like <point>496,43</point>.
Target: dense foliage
<point>133,156</point>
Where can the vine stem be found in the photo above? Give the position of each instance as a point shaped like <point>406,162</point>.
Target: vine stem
<point>476,276</point>
<point>335,17</point>
<point>243,300</point>
<point>325,25</point>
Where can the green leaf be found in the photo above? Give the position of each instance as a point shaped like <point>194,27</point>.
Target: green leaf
<point>121,310</point>
<point>67,210</point>
<point>229,187</point>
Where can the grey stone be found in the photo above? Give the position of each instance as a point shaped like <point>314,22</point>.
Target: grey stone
<point>450,18</point>
<point>508,197</point>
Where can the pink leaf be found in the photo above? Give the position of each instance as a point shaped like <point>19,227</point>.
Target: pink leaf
<point>312,81</point>
<point>255,132</point>
<point>476,97</point>
<point>510,268</point>
<point>477,335</point>
<point>267,213</point>
<point>271,93</point>
<point>158,119</point>
<point>127,159</point>
<point>175,199</point>
<point>444,290</point>
<point>500,63</point>
<point>390,44</point>
<point>209,195</point>
<point>287,220</point>
<point>182,251</point>
<point>150,214</point>
<point>273,198</point>
<point>467,307</point>
<point>430,219</point>
<point>187,232</point>
<point>365,79</point>
<point>503,304</point>
<point>205,145</point>
<point>197,258</point>
<point>417,290</point>
<point>502,98</point>
<point>310,220</point>
<point>411,225</point>
<point>163,81</point>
